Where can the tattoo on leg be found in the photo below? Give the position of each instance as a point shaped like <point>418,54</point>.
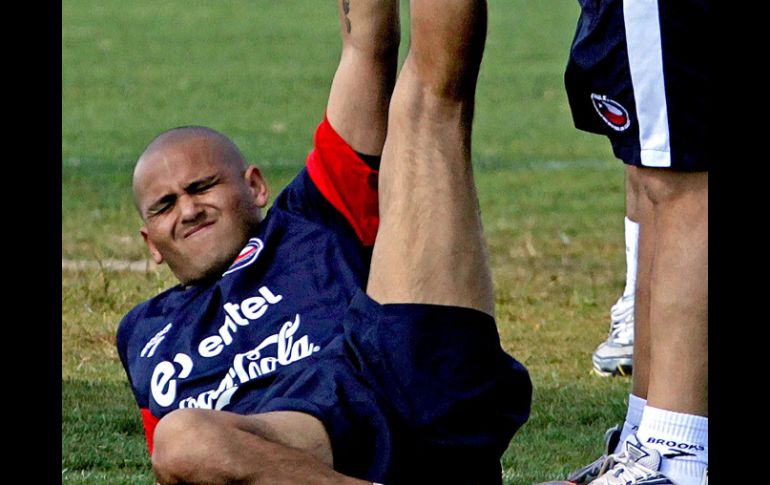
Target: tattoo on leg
<point>346,9</point>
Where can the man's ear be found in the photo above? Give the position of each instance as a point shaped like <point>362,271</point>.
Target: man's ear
<point>156,256</point>
<point>259,190</point>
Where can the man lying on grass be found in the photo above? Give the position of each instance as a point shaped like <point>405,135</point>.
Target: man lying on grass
<point>296,348</point>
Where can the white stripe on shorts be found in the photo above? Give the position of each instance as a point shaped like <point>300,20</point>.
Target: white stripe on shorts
<point>645,59</point>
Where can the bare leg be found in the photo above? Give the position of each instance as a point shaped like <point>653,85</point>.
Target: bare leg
<point>674,258</point>
<point>198,446</point>
<point>430,247</point>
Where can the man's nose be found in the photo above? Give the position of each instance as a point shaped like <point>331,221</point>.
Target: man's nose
<point>189,208</point>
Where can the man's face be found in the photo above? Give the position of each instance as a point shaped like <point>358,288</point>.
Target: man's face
<point>198,206</point>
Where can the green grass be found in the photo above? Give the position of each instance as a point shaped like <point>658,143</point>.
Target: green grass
<point>551,197</point>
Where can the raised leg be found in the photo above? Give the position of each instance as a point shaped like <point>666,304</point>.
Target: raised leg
<point>430,247</point>
<point>362,86</point>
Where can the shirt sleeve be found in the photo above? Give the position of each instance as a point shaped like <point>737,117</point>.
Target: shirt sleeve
<point>345,181</point>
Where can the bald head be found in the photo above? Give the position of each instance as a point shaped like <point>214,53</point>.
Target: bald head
<point>186,141</point>
<point>199,200</point>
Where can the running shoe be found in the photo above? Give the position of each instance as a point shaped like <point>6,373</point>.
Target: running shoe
<point>634,465</point>
<point>615,356</point>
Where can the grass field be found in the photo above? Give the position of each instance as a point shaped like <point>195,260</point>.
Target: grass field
<point>551,197</point>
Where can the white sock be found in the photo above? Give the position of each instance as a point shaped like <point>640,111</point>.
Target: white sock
<point>684,437</point>
<point>632,254</point>
<point>633,419</point>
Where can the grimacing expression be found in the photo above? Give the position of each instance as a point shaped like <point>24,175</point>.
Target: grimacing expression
<point>199,202</point>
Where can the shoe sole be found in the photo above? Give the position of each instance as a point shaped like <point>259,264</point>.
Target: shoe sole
<point>621,369</point>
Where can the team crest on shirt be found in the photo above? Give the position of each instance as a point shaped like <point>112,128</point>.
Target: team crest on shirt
<point>612,112</point>
<point>247,255</point>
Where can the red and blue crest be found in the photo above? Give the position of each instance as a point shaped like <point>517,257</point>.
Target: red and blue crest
<point>247,255</point>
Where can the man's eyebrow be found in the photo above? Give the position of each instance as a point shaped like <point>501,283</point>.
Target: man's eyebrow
<point>201,182</point>
<point>161,202</point>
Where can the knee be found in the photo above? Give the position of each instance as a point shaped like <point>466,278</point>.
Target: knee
<point>447,46</point>
<point>665,187</point>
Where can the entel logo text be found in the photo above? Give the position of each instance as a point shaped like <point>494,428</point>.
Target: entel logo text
<point>250,308</point>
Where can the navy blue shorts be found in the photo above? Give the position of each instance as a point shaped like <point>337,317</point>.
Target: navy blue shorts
<point>640,73</point>
<point>411,393</point>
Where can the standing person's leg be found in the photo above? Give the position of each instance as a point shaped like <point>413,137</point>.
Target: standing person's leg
<point>670,379</point>
<point>430,247</point>
<point>673,337</point>
<point>676,253</point>
<point>673,99</point>
<point>666,135</point>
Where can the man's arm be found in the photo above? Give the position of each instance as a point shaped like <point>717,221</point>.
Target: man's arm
<point>197,446</point>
